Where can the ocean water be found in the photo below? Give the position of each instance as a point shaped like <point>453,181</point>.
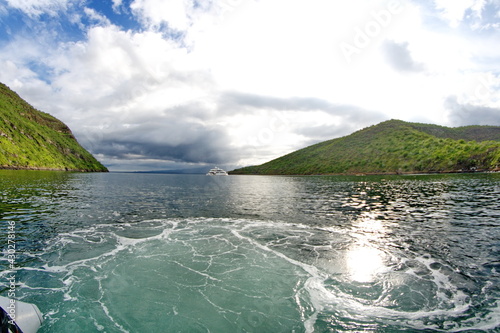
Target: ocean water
<point>122,252</point>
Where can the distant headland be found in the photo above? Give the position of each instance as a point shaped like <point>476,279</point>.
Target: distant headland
<point>393,147</point>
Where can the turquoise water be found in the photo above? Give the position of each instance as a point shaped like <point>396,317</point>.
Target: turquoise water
<point>186,253</point>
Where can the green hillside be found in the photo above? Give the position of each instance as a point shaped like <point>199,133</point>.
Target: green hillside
<point>393,146</point>
<point>31,139</point>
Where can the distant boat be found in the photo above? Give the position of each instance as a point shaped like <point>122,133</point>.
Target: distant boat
<point>217,172</point>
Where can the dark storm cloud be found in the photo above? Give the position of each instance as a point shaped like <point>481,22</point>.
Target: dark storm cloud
<point>188,133</point>
<point>165,138</point>
<point>468,114</point>
<point>202,149</point>
<point>399,57</point>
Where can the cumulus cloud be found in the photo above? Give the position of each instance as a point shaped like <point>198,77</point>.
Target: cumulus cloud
<point>146,83</point>
<point>476,14</point>
<point>38,7</point>
<point>221,130</point>
<point>117,4</point>
<point>463,114</point>
<point>313,119</point>
<point>132,92</point>
<point>96,17</point>
<point>454,11</point>
<point>182,133</point>
<point>399,57</point>
<point>177,14</point>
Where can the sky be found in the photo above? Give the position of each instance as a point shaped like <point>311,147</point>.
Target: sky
<point>173,84</point>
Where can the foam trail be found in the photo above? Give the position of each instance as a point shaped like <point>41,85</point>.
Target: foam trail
<point>216,261</point>
<point>316,278</point>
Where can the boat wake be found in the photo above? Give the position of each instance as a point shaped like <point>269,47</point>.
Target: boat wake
<point>237,275</point>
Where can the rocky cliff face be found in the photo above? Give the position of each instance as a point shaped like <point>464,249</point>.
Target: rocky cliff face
<point>31,139</point>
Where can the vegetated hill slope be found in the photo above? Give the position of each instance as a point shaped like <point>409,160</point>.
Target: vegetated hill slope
<point>393,146</point>
<point>31,139</point>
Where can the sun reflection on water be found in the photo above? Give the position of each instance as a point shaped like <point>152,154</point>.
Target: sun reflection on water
<point>365,259</point>
<point>363,263</point>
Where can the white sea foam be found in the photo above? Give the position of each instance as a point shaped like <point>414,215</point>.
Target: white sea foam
<point>453,302</point>
<point>319,292</point>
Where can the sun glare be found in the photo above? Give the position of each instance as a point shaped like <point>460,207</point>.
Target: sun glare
<point>363,263</point>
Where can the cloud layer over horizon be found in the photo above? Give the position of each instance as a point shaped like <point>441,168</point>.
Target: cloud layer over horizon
<point>167,84</point>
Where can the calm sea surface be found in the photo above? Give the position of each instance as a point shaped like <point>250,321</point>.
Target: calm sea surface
<point>124,252</point>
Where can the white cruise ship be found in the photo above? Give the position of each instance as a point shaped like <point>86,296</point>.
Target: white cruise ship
<point>217,172</point>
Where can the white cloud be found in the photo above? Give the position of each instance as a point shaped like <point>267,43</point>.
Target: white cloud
<point>117,4</point>
<point>116,83</point>
<point>454,11</point>
<point>96,17</point>
<point>176,13</point>
<point>399,56</point>
<point>462,114</point>
<point>244,81</point>
<point>38,7</point>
